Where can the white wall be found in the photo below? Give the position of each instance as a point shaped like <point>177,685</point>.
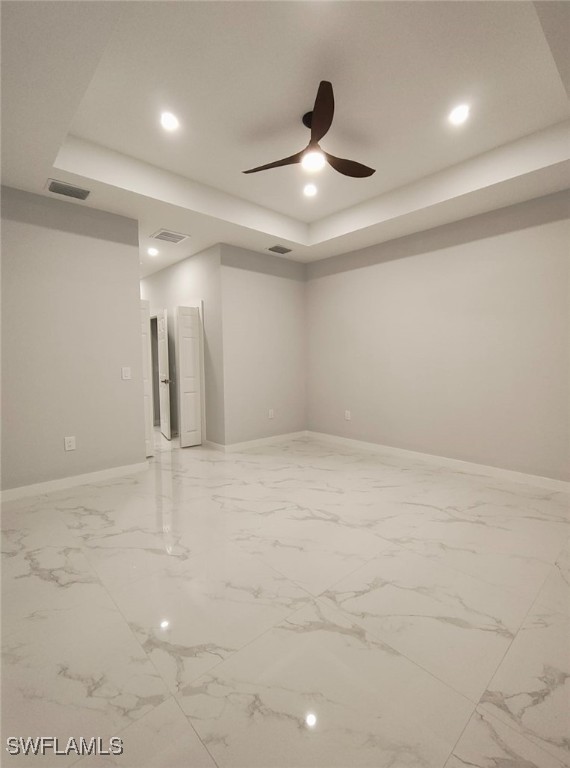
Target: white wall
<point>263,304</point>
<point>197,277</point>
<point>453,342</point>
<point>70,321</point>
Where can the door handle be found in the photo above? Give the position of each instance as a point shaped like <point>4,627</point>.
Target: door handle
<point>165,381</point>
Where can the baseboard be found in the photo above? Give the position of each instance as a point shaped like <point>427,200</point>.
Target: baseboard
<point>272,440</point>
<point>37,489</point>
<point>458,465</point>
<point>215,446</point>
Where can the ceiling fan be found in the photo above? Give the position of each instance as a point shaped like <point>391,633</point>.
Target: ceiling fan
<point>319,121</point>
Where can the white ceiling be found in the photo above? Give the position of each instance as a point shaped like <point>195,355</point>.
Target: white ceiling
<point>84,85</point>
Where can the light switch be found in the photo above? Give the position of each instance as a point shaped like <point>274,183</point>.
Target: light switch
<point>125,373</point>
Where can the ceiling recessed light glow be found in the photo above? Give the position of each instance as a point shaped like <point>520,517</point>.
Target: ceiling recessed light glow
<point>459,114</point>
<point>152,252</point>
<point>164,624</point>
<point>313,161</point>
<point>169,121</point>
<point>310,190</point>
<point>311,719</point>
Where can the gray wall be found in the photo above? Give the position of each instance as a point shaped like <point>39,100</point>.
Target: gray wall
<point>197,277</point>
<point>452,342</point>
<point>263,304</point>
<point>70,321</point>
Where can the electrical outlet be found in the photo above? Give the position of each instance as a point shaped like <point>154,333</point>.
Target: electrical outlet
<point>69,443</point>
<point>347,415</point>
<point>271,413</point>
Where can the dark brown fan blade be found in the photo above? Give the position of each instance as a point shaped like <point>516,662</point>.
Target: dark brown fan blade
<point>286,161</point>
<point>323,111</point>
<point>349,167</point>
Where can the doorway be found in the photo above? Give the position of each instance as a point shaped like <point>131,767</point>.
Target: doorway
<point>154,357</point>
<point>160,372</point>
<point>174,406</point>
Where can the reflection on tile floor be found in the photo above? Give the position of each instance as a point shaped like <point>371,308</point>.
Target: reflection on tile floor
<point>295,605</point>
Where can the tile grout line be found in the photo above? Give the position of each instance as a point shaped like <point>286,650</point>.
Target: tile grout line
<point>380,639</point>
<point>193,729</point>
<point>158,672</point>
<point>536,602</point>
<point>507,591</point>
<point>451,754</point>
<point>151,661</point>
<point>533,603</point>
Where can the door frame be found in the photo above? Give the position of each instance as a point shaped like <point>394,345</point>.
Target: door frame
<point>147,378</point>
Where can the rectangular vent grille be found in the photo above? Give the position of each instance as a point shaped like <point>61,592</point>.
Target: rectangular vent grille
<point>279,249</point>
<point>169,237</point>
<point>61,188</point>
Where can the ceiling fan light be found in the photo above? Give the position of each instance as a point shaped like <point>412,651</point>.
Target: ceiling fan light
<point>313,161</point>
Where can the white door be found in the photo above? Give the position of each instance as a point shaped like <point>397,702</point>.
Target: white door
<point>163,373</point>
<point>147,377</point>
<point>189,352</point>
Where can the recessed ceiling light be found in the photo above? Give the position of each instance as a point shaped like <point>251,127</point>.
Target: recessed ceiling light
<point>459,114</point>
<point>311,719</point>
<point>152,251</point>
<point>310,190</point>
<point>164,624</point>
<point>313,161</point>
<point>169,121</point>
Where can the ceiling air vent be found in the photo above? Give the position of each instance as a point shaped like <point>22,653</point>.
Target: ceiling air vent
<point>61,188</point>
<point>279,249</point>
<point>169,237</point>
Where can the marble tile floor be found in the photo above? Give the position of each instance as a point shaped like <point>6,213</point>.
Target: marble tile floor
<point>300,605</point>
